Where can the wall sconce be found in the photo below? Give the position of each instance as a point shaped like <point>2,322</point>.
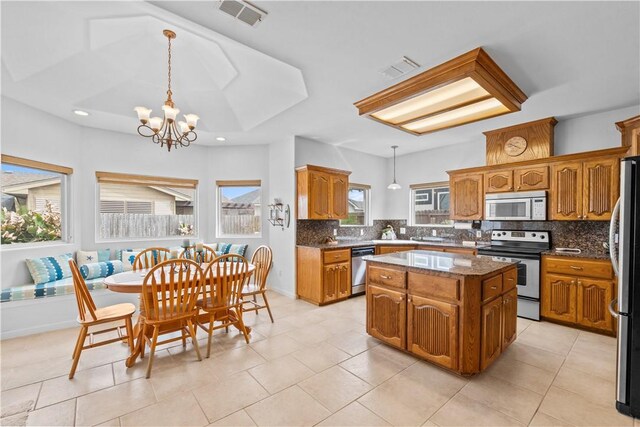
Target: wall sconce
<point>279,214</point>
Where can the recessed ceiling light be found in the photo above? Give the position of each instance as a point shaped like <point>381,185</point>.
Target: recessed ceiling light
<point>221,139</point>
<point>80,113</point>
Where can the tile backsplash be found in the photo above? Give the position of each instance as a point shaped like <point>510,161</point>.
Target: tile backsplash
<point>586,235</point>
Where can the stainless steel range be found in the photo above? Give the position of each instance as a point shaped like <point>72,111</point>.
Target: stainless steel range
<point>525,248</point>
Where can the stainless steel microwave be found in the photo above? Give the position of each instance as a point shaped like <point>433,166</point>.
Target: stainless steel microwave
<point>521,206</point>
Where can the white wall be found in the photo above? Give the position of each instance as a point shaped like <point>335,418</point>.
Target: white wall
<point>365,168</point>
<point>283,240</point>
<point>585,133</point>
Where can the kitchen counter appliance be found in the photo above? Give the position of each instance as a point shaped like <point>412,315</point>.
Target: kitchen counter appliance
<point>626,264</point>
<point>359,268</point>
<point>525,248</point>
<point>520,206</point>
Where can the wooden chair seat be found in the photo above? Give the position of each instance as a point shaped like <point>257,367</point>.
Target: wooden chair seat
<point>250,289</point>
<point>110,313</point>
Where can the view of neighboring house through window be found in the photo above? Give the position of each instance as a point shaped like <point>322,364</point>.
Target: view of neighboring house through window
<point>239,208</point>
<point>132,207</point>
<point>33,201</point>
<point>358,204</point>
<point>430,204</point>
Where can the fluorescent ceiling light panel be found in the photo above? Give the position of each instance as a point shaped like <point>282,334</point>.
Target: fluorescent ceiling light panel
<point>465,89</point>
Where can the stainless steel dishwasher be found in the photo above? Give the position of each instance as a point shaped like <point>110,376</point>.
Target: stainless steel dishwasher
<point>359,268</point>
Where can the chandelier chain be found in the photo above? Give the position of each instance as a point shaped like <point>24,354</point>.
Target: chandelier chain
<point>169,70</point>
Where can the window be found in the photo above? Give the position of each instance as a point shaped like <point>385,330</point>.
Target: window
<point>144,207</point>
<point>430,204</point>
<point>34,196</point>
<point>239,208</point>
<point>358,204</point>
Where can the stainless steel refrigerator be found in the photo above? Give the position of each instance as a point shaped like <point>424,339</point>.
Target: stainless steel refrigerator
<point>626,262</point>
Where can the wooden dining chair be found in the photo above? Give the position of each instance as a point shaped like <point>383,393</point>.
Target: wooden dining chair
<point>257,285</point>
<point>170,291</point>
<point>89,316</point>
<point>224,277</point>
<point>150,257</point>
<point>208,254</point>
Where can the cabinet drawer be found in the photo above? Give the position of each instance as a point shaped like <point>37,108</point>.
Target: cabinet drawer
<point>579,267</point>
<point>387,277</point>
<point>509,279</point>
<point>341,255</point>
<point>433,286</point>
<point>491,287</point>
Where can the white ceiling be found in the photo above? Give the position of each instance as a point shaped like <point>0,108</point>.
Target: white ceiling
<point>570,58</point>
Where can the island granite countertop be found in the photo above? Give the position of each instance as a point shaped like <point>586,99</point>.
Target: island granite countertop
<point>464,265</point>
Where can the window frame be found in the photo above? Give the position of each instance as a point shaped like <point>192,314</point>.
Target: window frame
<point>220,184</point>
<point>367,205</point>
<point>66,173</point>
<point>131,179</point>
<point>412,212</point>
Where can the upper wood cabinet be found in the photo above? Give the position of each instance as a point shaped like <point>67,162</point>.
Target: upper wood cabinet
<point>584,190</point>
<point>322,192</point>
<point>531,178</point>
<point>466,196</point>
<point>497,182</point>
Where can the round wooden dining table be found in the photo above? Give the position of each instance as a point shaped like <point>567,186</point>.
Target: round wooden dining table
<point>130,282</point>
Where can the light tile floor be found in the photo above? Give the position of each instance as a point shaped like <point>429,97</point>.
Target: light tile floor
<point>314,365</point>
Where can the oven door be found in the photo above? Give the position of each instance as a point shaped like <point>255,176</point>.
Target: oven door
<point>528,272</point>
<point>508,209</point>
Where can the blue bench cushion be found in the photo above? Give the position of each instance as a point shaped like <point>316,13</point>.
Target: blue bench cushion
<point>49,269</point>
<point>50,289</point>
<point>229,248</point>
<point>101,269</point>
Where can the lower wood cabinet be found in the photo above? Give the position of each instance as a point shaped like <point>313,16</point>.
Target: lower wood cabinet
<point>432,329</point>
<point>323,275</point>
<point>387,315</point>
<point>578,292</point>
<point>390,249</point>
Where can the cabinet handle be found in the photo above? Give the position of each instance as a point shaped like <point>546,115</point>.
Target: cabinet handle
<point>385,277</point>
<point>494,288</point>
<point>336,256</point>
<point>576,267</point>
<point>511,279</point>
<point>579,282</point>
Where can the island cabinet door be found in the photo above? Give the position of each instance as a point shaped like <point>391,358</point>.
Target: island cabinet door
<point>491,340</point>
<point>559,297</point>
<point>387,315</point>
<point>509,317</point>
<point>433,330</point>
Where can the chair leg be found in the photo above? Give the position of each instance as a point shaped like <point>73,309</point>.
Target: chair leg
<point>209,337</point>
<point>255,302</point>
<point>266,302</point>
<point>184,338</point>
<point>152,350</point>
<point>78,350</point>
<point>241,324</point>
<point>192,329</point>
<point>129,326</point>
<point>143,340</point>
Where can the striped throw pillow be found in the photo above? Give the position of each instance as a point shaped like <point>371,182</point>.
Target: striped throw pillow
<point>49,269</point>
<point>101,269</point>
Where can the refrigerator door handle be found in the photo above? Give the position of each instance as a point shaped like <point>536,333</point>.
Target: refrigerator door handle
<point>612,237</point>
<point>612,304</point>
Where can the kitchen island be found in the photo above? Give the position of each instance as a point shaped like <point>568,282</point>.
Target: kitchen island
<point>457,311</point>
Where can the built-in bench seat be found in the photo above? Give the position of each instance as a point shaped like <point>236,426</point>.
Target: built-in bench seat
<point>50,289</point>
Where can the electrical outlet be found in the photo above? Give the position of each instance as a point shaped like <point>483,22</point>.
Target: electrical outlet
<point>403,230</point>
<point>478,234</point>
<point>335,231</point>
<point>362,232</point>
<point>434,233</point>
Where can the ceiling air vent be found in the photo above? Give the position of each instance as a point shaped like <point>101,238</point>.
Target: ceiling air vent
<point>400,68</point>
<point>243,11</point>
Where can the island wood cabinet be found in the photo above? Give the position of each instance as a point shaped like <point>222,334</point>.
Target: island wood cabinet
<point>389,249</point>
<point>322,193</point>
<point>466,196</point>
<point>458,322</point>
<point>323,275</point>
<point>578,292</point>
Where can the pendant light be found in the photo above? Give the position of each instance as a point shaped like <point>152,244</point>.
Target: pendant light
<point>394,185</point>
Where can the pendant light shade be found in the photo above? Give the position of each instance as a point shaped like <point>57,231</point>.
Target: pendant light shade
<point>394,185</point>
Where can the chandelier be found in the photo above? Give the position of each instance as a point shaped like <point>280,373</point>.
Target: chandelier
<point>168,131</point>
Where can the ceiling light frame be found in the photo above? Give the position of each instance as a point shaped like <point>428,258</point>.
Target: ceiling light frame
<point>476,65</point>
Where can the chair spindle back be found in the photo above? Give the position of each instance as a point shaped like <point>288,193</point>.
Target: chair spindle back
<point>150,257</point>
<point>208,254</point>
<point>261,259</point>
<point>86,306</point>
<point>225,275</point>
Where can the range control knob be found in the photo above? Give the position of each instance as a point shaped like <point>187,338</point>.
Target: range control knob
<point>542,237</point>
<point>533,234</point>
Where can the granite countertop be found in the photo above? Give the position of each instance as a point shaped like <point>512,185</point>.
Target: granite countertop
<point>465,265</point>
<point>584,254</point>
<point>360,243</point>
